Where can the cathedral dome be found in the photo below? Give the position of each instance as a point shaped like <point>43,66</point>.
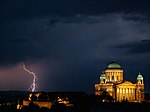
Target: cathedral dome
<point>113,65</point>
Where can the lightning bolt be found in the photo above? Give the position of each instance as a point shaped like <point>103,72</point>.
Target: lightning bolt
<point>33,86</point>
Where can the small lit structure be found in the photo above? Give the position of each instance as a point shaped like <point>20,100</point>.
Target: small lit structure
<point>34,98</point>
<point>111,80</point>
<point>42,99</point>
<point>64,101</point>
<point>19,106</point>
<point>41,104</point>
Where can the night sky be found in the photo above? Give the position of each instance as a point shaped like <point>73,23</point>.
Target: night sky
<point>68,43</point>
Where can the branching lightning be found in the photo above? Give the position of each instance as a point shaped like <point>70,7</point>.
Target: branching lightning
<point>33,86</point>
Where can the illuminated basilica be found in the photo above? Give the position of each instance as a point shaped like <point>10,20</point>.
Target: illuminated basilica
<point>111,80</point>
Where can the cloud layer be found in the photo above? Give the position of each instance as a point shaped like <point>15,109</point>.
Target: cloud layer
<point>73,40</point>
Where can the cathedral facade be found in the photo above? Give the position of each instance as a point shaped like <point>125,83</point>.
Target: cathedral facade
<point>111,80</point>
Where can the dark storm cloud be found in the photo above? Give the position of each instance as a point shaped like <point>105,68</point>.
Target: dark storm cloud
<point>25,23</point>
<point>75,37</point>
<point>71,38</point>
<point>137,17</point>
<point>18,49</point>
<point>136,47</point>
<point>24,9</point>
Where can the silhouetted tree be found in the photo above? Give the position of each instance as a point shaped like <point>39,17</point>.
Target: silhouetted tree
<point>33,97</point>
<point>43,96</point>
<point>106,96</point>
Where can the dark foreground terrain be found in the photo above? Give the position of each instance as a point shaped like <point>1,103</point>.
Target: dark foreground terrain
<point>99,107</point>
<point>120,107</point>
<point>81,103</point>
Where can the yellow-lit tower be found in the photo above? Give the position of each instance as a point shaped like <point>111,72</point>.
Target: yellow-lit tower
<point>140,88</point>
<point>103,79</point>
<point>102,85</point>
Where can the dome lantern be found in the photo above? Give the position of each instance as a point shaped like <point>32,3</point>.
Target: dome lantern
<point>139,77</point>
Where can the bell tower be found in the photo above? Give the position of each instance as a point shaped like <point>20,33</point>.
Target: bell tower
<point>102,78</point>
<point>140,88</point>
<point>140,79</point>
<point>101,86</point>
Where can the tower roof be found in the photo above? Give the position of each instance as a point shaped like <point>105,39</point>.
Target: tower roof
<point>102,76</point>
<point>113,65</point>
<point>140,76</point>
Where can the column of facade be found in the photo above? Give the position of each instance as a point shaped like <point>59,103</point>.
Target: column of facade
<point>115,77</point>
<point>106,76</point>
<point>123,93</point>
<point>132,94</point>
<point>110,75</point>
<point>119,76</point>
<point>120,94</point>
<point>127,94</point>
<point>117,94</point>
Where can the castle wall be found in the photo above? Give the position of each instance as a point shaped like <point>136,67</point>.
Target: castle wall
<point>46,104</point>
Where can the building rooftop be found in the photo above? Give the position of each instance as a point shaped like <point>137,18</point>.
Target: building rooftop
<point>113,65</point>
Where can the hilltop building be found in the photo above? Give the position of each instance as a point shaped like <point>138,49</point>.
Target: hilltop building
<point>111,80</point>
<point>50,99</point>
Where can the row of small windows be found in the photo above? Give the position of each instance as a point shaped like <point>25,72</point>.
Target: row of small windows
<point>114,72</point>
